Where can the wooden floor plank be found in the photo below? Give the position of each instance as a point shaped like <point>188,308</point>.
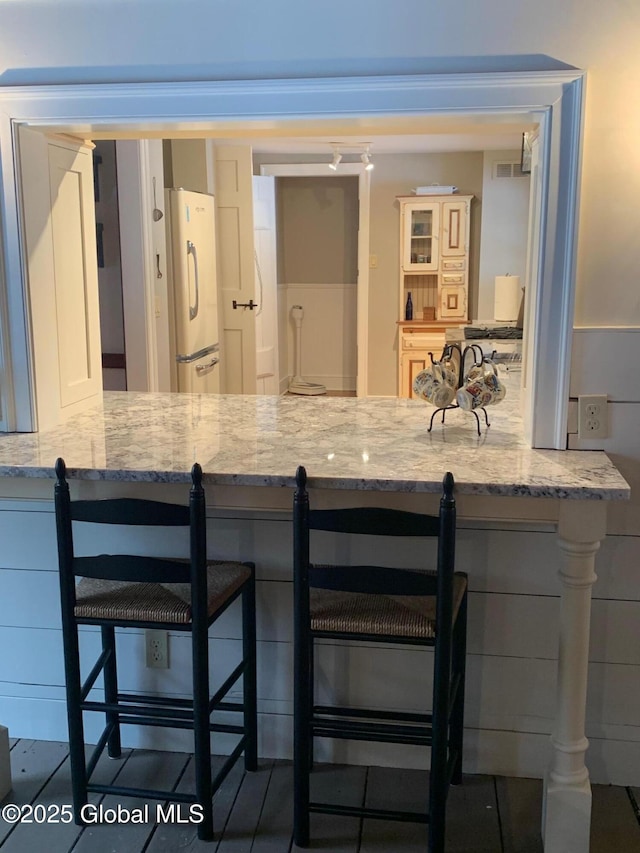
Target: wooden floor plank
<point>245,814</point>
<point>170,837</point>
<point>335,784</point>
<point>145,770</point>
<point>254,810</point>
<point>614,825</point>
<point>274,830</point>
<point>473,824</point>
<point>520,808</point>
<point>392,788</point>
<point>32,764</point>
<point>59,837</point>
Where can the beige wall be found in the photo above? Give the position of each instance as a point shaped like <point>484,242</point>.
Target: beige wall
<point>317,229</point>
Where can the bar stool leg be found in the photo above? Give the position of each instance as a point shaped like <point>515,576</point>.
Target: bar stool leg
<point>458,667</point>
<point>301,739</point>
<point>311,695</point>
<point>77,759</point>
<point>114,749</point>
<point>201,732</point>
<point>249,678</point>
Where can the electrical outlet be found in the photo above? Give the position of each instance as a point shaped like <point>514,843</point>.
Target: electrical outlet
<point>593,416</point>
<point>157,648</point>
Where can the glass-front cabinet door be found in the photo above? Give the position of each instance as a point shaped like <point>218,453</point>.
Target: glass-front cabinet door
<point>420,250</point>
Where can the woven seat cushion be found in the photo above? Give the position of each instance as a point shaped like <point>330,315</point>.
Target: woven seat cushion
<point>393,615</point>
<point>155,602</point>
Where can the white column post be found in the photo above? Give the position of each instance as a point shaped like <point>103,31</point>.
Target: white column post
<point>566,817</point>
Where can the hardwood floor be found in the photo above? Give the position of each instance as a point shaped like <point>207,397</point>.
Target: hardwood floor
<point>252,812</point>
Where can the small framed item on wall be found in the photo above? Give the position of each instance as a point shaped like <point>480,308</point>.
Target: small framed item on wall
<point>525,157</point>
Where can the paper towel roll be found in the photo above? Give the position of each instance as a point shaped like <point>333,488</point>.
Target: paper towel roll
<point>507,298</point>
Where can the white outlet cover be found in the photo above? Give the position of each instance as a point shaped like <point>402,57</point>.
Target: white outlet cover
<point>593,417</point>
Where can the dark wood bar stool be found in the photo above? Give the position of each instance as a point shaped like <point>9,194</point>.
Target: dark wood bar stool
<point>341,602</point>
<point>133,591</point>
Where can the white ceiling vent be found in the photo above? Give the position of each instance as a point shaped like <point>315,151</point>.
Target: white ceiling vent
<point>508,170</point>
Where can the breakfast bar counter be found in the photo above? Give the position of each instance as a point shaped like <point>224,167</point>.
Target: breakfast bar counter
<point>375,445</point>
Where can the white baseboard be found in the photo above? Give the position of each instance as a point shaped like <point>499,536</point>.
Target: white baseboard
<point>331,382</point>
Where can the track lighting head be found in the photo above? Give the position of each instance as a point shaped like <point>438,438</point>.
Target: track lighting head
<point>337,157</point>
<point>368,165</point>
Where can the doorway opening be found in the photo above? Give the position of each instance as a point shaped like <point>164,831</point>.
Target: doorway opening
<point>322,237</point>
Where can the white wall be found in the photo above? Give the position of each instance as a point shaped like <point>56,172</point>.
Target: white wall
<point>69,41</point>
<point>503,238</point>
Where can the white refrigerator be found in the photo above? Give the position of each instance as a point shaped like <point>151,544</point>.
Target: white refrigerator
<point>193,294</point>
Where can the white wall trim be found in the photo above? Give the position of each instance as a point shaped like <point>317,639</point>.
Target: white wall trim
<point>553,98</point>
<point>135,206</point>
<point>17,391</point>
<point>623,329</point>
<point>45,505</point>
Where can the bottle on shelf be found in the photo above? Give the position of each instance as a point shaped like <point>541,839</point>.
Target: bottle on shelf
<point>408,308</point>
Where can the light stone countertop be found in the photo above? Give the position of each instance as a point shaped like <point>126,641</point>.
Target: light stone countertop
<point>377,444</point>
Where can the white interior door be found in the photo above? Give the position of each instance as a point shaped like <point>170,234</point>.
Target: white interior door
<point>60,248</point>
<point>264,236</point>
<point>236,264</point>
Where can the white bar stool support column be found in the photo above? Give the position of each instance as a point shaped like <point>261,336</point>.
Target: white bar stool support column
<point>5,763</point>
<point>566,816</point>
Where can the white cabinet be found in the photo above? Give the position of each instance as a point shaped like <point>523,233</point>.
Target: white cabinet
<point>60,240</point>
<point>434,269</point>
<point>417,340</point>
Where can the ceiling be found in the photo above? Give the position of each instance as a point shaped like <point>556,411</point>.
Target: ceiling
<point>390,134</point>
<point>390,144</point>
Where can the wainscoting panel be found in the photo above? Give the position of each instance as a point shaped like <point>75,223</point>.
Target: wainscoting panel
<point>513,616</point>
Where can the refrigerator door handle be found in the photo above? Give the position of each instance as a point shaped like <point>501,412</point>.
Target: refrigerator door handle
<point>200,368</point>
<point>191,250</point>
<point>198,354</point>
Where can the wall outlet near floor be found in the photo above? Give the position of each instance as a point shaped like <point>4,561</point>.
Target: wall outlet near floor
<point>156,648</point>
<point>593,416</point>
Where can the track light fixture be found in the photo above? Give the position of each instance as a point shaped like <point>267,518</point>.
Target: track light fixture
<point>368,165</point>
<point>337,157</point>
<point>363,147</point>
